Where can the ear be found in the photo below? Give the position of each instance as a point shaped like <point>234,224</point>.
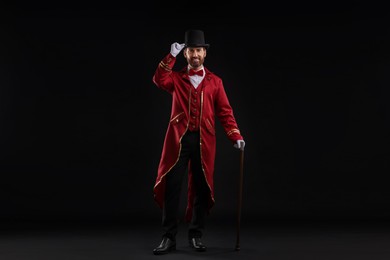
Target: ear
<point>185,53</point>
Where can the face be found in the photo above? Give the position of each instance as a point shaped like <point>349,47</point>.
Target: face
<point>195,56</point>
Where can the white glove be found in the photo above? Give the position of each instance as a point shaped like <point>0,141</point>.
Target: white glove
<point>240,145</point>
<point>176,48</point>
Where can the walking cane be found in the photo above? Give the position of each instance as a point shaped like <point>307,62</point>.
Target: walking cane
<point>240,181</point>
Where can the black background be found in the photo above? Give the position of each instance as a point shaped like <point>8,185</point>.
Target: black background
<point>82,125</point>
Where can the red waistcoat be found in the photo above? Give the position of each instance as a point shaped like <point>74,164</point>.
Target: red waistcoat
<point>213,103</point>
<point>195,108</point>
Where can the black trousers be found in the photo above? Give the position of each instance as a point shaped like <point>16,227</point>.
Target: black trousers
<point>190,152</point>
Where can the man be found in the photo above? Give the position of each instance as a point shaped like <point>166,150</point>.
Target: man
<point>198,96</point>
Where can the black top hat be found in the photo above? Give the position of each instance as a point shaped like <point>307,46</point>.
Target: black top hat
<point>195,38</point>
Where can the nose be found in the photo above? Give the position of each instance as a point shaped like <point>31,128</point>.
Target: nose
<point>194,54</point>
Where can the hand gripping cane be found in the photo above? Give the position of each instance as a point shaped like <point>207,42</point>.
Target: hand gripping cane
<point>240,181</point>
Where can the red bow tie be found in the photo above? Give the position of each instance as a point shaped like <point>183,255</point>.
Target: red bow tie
<point>192,72</point>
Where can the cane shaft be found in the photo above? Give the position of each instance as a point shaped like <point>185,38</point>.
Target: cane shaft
<point>239,201</point>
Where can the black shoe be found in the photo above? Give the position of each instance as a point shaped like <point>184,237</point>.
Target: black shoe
<point>165,246</point>
<point>197,244</point>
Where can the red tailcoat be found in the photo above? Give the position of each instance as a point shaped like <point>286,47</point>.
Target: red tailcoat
<point>214,103</point>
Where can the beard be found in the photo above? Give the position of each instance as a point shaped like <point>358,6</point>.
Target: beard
<point>195,63</point>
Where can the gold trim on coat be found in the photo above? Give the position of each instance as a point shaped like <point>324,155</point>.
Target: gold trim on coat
<point>175,118</point>
<point>235,130</point>
<point>200,143</point>
<point>165,66</point>
<point>178,156</point>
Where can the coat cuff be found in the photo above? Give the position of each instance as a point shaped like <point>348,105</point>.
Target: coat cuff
<point>168,62</point>
<point>234,135</point>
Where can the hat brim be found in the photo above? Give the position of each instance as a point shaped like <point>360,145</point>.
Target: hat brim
<point>197,45</point>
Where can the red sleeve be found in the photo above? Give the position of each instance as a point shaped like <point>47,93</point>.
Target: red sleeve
<point>162,76</point>
<point>225,114</point>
